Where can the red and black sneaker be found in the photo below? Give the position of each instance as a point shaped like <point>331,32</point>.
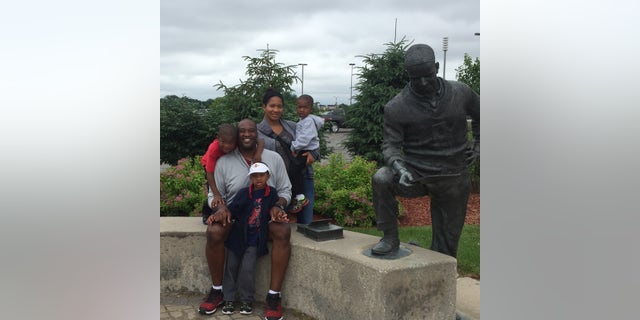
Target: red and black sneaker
<point>213,300</point>
<point>273,311</point>
<point>298,204</point>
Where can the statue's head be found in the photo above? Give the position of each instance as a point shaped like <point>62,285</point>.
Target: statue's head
<point>422,68</point>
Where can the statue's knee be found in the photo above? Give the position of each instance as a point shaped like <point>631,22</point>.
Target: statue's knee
<point>384,176</point>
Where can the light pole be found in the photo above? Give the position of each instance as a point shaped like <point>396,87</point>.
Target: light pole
<point>445,47</point>
<point>351,93</point>
<point>302,80</point>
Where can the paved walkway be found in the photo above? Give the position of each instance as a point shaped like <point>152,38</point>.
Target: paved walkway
<point>183,306</point>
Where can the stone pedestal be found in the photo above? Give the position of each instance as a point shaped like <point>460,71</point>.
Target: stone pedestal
<point>327,280</point>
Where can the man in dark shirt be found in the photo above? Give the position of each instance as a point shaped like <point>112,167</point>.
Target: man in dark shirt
<point>426,151</point>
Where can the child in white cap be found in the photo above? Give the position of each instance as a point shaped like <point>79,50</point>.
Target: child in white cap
<point>247,239</point>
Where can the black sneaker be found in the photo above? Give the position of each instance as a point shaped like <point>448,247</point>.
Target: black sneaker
<point>228,307</point>
<point>273,311</point>
<point>211,303</point>
<point>246,308</point>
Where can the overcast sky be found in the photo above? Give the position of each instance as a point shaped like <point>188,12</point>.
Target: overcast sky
<point>203,41</point>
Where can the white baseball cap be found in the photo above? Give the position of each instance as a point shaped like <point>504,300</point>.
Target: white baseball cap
<point>258,167</point>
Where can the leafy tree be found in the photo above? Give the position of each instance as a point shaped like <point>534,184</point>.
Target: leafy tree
<point>245,99</point>
<point>382,77</point>
<point>184,129</point>
<point>469,73</point>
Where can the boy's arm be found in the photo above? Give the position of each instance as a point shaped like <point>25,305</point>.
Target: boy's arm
<point>305,132</point>
<point>257,156</point>
<point>217,198</point>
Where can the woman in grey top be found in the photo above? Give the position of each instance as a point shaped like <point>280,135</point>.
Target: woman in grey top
<point>278,134</point>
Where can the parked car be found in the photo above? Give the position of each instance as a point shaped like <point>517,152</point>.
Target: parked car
<point>334,120</point>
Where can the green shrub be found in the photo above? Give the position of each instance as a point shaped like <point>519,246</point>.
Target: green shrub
<point>343,190</point>
<point>183,188</point>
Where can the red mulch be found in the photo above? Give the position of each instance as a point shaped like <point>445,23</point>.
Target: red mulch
<point>418,213</point>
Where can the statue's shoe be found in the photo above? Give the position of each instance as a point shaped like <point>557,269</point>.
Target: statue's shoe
<point>386,246</point>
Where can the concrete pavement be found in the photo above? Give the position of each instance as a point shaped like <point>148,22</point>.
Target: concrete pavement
<point>183,306</point>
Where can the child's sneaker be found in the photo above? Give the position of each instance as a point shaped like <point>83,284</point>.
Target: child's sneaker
<point>298,204</point>
<point>246,308</point>
<point>228,308</point>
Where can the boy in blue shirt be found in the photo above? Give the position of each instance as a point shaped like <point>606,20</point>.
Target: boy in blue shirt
<point>306,141</point>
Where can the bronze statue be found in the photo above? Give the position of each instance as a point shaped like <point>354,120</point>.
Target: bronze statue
<point>427,152</point>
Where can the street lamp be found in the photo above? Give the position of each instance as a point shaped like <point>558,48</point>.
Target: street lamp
<point>445,47</point>
<point>302,80</point>
<point>351,94</point>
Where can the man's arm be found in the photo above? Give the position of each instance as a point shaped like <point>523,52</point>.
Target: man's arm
<point>393,135</point>
<point>473,110</point>
<point>277,212</point>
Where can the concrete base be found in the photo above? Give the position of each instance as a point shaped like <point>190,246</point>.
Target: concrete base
<point>327,280</point>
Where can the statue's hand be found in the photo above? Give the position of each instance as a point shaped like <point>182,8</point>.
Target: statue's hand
<point>406,177</point>
<point>473,153</point>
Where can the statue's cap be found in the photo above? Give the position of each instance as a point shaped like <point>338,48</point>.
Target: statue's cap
<point>419,54</point>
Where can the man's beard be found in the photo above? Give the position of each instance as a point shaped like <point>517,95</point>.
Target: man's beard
<point>249,148</point>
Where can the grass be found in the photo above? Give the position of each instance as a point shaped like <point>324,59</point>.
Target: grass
<point>468,246</point>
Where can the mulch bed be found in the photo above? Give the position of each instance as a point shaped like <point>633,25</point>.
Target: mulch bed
<point>419,214</point>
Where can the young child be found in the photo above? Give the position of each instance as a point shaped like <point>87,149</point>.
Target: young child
<point>306,141</point>
<point>225,143</point>
<point>247,238</point>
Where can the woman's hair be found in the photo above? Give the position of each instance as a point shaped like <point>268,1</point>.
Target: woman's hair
<point>270,93</point>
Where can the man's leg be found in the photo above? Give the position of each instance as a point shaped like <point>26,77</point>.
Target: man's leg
<point>214,251</point>
<point>386,207</point>
<point>448,209</point>
<point>280,234</point>
<point>385,187</point>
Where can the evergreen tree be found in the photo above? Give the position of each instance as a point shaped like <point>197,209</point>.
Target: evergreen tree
<point>382,77</point>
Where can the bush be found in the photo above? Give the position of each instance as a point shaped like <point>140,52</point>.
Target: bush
<point>343,191</point>
<point>183,188</point>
